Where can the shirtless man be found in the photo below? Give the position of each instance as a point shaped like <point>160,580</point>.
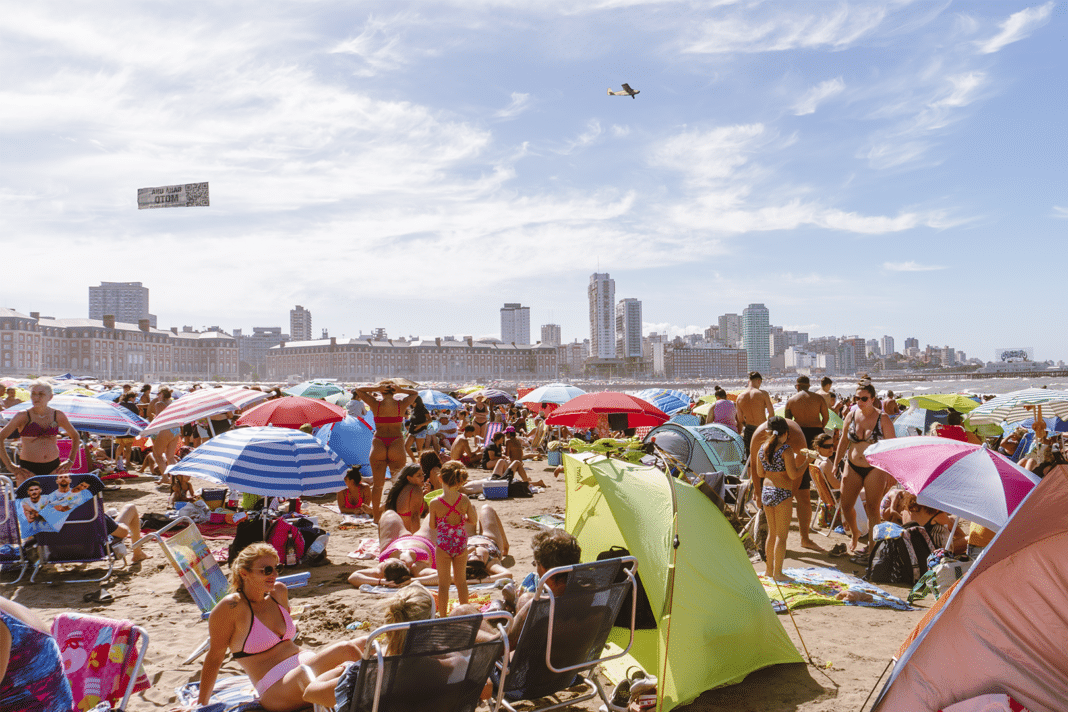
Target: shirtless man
<point>803,492</point>
<point>12,399</point>
<point>754,408</point>
<point>467,449</point>
<point>826,392</point>
<point>808,409</point>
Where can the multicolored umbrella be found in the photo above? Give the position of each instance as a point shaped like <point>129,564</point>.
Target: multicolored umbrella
<point>89,415</point>
<point>493,397</point>
<point>201,404</point>
<point>968,480</point>
<point>314,389</point>
<point>436,400</point>
<point>666,399</point>
<point>292,412</point>
<point>583,411</point>
<point>350,439</point>
<point>274,462</point>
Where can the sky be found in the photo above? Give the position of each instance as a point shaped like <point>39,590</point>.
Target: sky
<point>862,168</point>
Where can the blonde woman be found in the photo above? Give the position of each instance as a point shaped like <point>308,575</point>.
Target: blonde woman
<point>39,428</point>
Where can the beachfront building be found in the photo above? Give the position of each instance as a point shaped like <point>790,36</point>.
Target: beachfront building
<point>126,301</point>
<point>572,357</point>
<point>602,296</point>
<point>252,348</point>
<point>756,337</point>
<point>629,329</point>
<point>887,344</point>
<point>110,349</point>
<point>422,360</point>
<point>515,324</point>
<point>699,361</point>
<point>300,323</point>
<point>551,335</point>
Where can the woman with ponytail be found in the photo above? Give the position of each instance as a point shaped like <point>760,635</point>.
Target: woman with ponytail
<point>775,466</point>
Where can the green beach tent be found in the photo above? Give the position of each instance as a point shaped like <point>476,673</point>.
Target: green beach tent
<point>716,624</point>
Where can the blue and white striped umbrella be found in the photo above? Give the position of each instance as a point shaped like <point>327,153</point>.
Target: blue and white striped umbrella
<point>436,400</point>
<point>668,400</point>
<point>275,462</point>
<point>90,415</point>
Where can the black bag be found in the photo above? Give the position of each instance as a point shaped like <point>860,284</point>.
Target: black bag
<point>154,520</point>
<point>249,531</point>
<point>137,456</point>
<point>310,532</point>
<point>519,488</point>
<point>901,559</point>
<point>644,618</point>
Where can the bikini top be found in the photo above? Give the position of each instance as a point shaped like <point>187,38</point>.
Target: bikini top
<point>422,551</point>
<point>385,419</point>
<point>33,430</point>
<point>422,505</point>
<point>483,409</point>
<point>876,432</point>
<point>775,463</point>
<point>260,637</point>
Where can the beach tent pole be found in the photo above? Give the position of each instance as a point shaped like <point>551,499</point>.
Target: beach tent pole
<point>787,605</point>
<point>670,597</point>
<point>865,703</point>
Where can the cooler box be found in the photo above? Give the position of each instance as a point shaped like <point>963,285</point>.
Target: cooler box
<point>495,489</point>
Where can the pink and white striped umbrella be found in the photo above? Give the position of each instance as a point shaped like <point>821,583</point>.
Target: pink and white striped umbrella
<point>968,480</point>
<point>201,404</point>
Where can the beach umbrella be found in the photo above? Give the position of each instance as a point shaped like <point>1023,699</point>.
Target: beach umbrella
<point>1020,405</point>
<point>89,415</point>
<point>110,395</point>
<point>944,401</point>
<point>468,389</point>
<point>968,480</point>
<point>583,411</point>
<point>274,462</point>
<point>350,439</point>
<point>73,391</point>
<point>314,389</point>
<point>666,399</point>
<point>493,397</point>
<point>201,404</point>
<point>342,399</point>
<point>436,400</point>
<point>292,412</point>
<point>558,393</point>
<point>834,422</point>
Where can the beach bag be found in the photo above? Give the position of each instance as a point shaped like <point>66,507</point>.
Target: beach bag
<point>519,489</point>
<point>644,618</point>
<point>287,541</point>
<point>899,554</point>
<point>943,570</point>
<point>249,531</point>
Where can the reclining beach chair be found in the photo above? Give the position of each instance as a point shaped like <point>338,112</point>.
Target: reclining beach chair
<point>102,659</point>
<point>12,556</point>
<point>491,430</point>
<point>442,666</point>
<point>563,636</point>
<point>83,537</point>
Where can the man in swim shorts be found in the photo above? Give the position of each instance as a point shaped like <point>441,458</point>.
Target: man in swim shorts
<point>808,410</point>
<point>753,408</point>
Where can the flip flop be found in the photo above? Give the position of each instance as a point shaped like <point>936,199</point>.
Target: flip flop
<point>838,550</point>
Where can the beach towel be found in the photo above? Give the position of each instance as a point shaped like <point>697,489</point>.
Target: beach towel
<point>841,582</point>
<point>356,521</point>
<point>793,596</point>
<point>367,550</point>
<point>207,530</point>
<point>231,694</point>
<point>95,660</point>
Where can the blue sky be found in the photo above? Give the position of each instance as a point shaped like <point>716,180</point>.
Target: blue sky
<point>861,168</point>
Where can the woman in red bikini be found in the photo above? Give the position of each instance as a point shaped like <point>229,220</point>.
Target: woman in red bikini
<point>39,428</point>
<point>387,448</point>
<point>254,622</point>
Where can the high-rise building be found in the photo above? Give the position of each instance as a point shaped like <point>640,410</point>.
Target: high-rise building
<point>872,347</point>
<point>912,343</point>
<point>730,330</point>
<point>252,348</point>
<point>300,324</point>
<point>887,344</point>
<point>550,335</point>
<point>756,337</point>
<point>515,324</point>
<point>777,341</point>
<point>602,295</point>
<point>126,301</point>
<point>858,354</point>
<point>628,328</point>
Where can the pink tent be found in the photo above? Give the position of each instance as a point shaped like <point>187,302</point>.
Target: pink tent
<point>1005,627</point>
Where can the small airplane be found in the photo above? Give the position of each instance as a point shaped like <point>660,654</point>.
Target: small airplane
<point>627,91</point>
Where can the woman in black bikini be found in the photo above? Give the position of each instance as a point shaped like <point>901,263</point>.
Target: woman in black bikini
<point>480,415</point>
<point>864,425</point>
<point>39,428</point>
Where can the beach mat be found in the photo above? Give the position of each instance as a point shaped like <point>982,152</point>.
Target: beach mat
<point>793,596</point>
<point>208,531</point>
<point>819,586</point>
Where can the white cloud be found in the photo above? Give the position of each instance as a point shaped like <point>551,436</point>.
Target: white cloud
<point>1060,212</point>
<point>620,131</point>
<point>520,103</point>
<point>910,267</point>
<point>778,28</point>
<point>672,330</point>
<point>711,156</point>
<point>813,97</point>
<point>586,138</point>
<point>379,45</point>
<point>1018,26</point>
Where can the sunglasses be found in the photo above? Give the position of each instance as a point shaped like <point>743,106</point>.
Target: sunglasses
<point>268,570</point>
<point>863,399</point>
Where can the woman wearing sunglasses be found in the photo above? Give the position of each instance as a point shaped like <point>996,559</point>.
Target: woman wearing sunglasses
<point>864,425</point>
<point>254,623</point>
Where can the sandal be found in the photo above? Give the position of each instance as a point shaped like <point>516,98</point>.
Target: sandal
<point>838,549</point>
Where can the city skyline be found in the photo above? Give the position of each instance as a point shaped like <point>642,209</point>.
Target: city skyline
<point>876,169</point>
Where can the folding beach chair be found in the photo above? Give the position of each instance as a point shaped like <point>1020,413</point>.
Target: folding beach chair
<point>81,465</point>
<point>563,636</point>
<point>1023,447</point>
<point>102,659</point>
<point>81,539</point>
<point>491,430</point>
<point>12,556</point>
<point>442,666</point>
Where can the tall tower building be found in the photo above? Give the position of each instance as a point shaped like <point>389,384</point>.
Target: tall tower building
<point>515,324</point>
<point>756,337</point>
<point>730,330</point>
<point>602,294</point>
<point>912,343</point>
<point>300,324</point>
<point>126,301</point>
<point>888,346</point>
<point>550,335</point>
<point>629,328</point>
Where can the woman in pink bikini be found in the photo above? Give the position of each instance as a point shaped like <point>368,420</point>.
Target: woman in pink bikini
<point>254,623</point>
<point>387,448</point>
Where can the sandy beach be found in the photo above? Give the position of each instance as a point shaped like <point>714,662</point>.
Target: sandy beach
<point>849,645</point>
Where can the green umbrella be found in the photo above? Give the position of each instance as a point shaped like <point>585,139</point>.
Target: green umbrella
<point>942,401</point>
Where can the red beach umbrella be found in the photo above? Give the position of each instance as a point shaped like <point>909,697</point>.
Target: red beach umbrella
<point>582,411</point>
<point>293,412</point>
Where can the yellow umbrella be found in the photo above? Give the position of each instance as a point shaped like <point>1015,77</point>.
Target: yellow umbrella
<point>942,401</point>
<point>704,408</point>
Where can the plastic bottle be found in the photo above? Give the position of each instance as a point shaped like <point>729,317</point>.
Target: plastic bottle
<point>319,545</point>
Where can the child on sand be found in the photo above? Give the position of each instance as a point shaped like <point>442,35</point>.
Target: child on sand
<point>449,514</point>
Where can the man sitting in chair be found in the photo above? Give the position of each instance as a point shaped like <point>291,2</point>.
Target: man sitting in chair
<point>551,549</point>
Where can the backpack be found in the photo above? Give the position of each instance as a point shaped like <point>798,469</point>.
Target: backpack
<point>943,570</point>
<point>899,554</point>
<point>286,539</point>
<point>249,531</point>
<point>644,618</point>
